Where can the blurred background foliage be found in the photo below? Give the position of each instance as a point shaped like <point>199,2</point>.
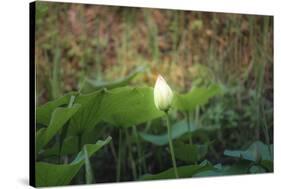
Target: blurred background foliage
<point>79,44</point>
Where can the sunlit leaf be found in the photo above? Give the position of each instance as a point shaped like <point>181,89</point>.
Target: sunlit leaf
<point>257,169</point>
<point>183,171</point>
<point>178,129</point>
<point>92,85</point>
<point>267,164</point>
<point>196,97</point>
<point>44,112</point>
<point>256,152</point>
<point>48,174</point>
<point>190,153</point>
<point>127,106</point>
<point>219,170</point>
<point>122,107</point>
<point>70,146</point>
<point>89,114</point>
<point>58,119</point>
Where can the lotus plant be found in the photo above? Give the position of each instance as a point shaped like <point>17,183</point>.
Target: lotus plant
<point>163,97</point>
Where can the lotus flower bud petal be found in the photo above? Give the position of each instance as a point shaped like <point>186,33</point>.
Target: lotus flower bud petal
<point>163,95</point>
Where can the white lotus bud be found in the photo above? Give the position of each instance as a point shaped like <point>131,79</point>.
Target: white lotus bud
<point>163,94</point>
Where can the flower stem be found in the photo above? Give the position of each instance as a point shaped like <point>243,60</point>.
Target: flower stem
<point>189,117</point>
<point>171,146</point>
<point>118,166</point>
<point>89,175</point>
